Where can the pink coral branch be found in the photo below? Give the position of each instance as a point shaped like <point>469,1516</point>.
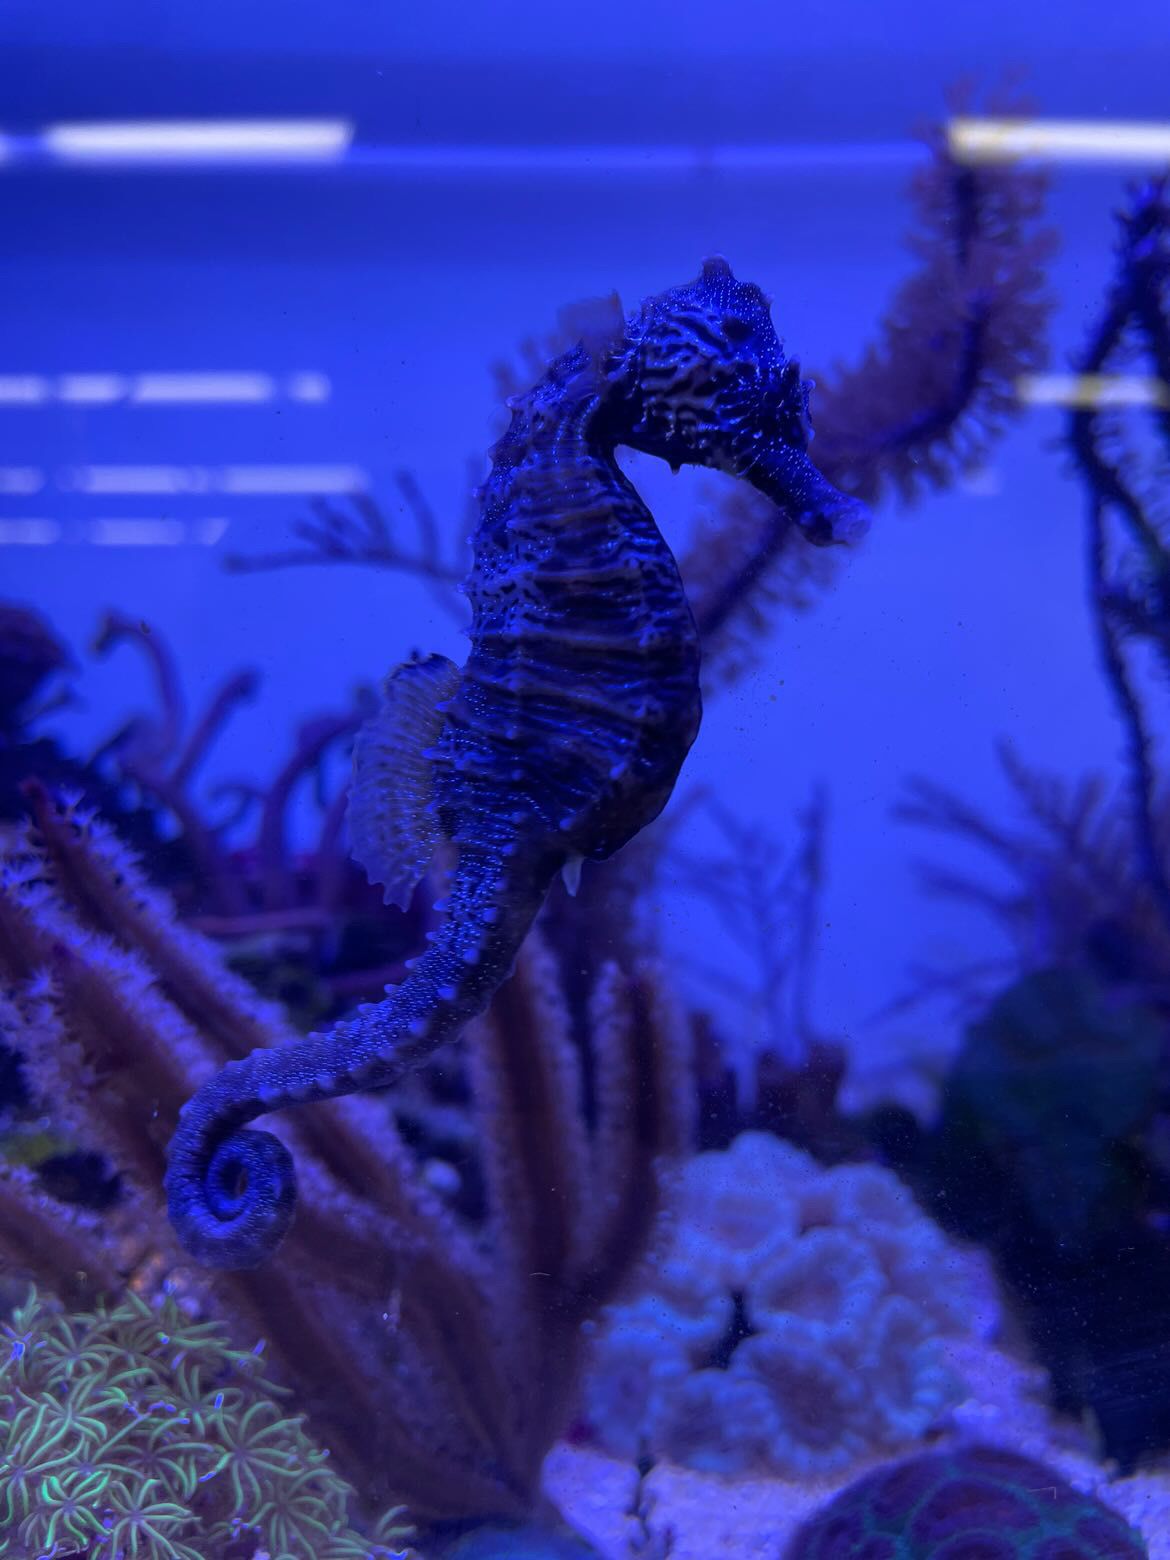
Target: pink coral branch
<point>237,690</point>
<point>154,742</point>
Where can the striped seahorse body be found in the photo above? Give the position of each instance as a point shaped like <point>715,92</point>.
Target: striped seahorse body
<point>563,733</point>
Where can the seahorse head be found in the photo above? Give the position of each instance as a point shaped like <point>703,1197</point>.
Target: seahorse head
<point>706,382</point>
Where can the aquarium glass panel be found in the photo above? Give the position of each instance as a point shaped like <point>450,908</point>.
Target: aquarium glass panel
<point>584,781</point>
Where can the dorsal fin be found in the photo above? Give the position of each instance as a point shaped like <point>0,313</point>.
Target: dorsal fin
<point>597,323</point>
<point>393,829</point>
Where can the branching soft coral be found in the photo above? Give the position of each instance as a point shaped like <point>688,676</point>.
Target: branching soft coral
<point>362,532</point>
<point>1124,459</point>
<point>793,1319</point>
<point>927,401</point>
<point>923,404</point>
<point>1086,879</point>
<point>305,925</point>
<point>437,1360</point>
<point>1068,889</point>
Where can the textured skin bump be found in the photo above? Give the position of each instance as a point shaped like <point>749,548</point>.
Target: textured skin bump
<point>568,724</point>
<point>972,1503</point>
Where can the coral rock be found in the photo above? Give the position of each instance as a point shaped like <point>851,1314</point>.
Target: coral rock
<point>975,1503</point>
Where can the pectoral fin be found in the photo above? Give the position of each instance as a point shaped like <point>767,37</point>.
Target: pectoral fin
<point>393,829</point>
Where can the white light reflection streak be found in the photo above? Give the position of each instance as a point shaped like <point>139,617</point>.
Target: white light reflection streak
<point>1092,390</point>
<point>1058,140</point>
<point>198,140</point>
<point>155,388</point>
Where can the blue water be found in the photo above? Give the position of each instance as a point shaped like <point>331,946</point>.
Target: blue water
<point>492,165</point>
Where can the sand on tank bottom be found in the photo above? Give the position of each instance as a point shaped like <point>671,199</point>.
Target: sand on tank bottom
<point>753,1519</point>
<point>709,1517</point>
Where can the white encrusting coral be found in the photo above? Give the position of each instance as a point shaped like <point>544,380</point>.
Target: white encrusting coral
<point>793,1319</point>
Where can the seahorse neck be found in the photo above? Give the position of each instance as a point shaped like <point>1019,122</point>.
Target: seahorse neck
<point>559,418</point>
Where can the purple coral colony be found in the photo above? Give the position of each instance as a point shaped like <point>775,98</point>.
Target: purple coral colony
<point>544,1268</point>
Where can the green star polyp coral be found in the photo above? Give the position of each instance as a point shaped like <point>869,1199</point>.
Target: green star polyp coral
<point>134,1431</point>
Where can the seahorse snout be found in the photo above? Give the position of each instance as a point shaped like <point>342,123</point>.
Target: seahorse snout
<point>826,516</point>
<point>840,525</point>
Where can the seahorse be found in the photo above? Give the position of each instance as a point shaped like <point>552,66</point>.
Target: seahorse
<point>563,733</point>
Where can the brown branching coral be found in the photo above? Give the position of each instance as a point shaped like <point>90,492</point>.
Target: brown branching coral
<point>770,901</point>
<point>362,532</point>
<point>1069,889</point>
<point>30,655</point>
<point>929,397</point>
<point>1088,876</point>
<point>154,753</point>
<point>924,403</point>
<point>436,1359</point>
<point>1126,469</point>
<point>304,922</point>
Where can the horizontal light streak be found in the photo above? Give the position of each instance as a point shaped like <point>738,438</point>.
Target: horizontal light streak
<point>21,480</point>
<point>198,140</point>
<point>1092,390</point>
<point>91,389</point>
<point>243,144</point>
<point>292,479</point>
<point>164,388</point>
<point>242,481</point>
<point>1059,140</point>
<point>308,386</point>
<point>202,387</point>
<point>136,533</point>
<point>134,479</point>
<point>29,533</point>
<point>23,389</point>
<point>116,531</point>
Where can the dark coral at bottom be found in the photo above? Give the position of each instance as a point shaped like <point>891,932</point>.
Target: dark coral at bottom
<point>974,1503</point>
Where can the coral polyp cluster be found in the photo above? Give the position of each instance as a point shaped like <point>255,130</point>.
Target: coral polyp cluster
<point>794,1320</point>
<point>135,1430</point>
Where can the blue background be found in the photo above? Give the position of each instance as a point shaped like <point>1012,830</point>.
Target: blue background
<point>953,626</point>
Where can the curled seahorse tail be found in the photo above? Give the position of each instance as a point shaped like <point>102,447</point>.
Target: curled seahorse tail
<point>231,1203</point>
<point>231,1191</point>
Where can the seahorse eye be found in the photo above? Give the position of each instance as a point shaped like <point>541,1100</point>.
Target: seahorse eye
<point>736,328</point>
